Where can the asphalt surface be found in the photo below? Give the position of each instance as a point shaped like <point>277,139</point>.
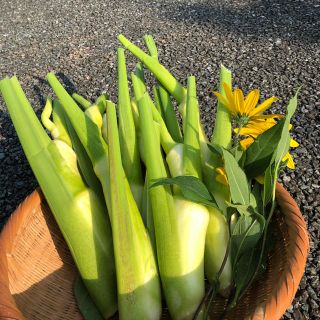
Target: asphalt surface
<point>272,45</point>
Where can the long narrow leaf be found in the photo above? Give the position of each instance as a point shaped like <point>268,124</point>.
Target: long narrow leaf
<point>237,179</point>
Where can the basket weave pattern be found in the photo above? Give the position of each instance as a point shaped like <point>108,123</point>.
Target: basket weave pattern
<point>37,270</point>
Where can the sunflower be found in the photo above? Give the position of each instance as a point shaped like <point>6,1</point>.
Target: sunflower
<point>246,110</point>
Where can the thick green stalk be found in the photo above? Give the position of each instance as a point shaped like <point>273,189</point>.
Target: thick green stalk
<point>222,133</point>
<point>172,85</point>
<point>218,232</point>
<point>84,103</point>
<point>139,90</point>
<point>147,215</point>
<point>178,226</point>
<point>127,132</point>
<point>217,239</point>
<point>139,295</point>
<point>161,73</point>
<point>75,207</point>
<point>191,144</point>
<point>162,97</point>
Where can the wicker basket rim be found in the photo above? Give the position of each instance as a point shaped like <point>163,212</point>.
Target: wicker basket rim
<point>274,306</point>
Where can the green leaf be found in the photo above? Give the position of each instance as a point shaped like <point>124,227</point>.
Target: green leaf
<point>85,304</point>
<point>246,234</point>
<point>191,187</point>
<point>215,148</point>
<point>283,145</point>
<point>237,179</point>
<point>260,152</point>
<point>268,185</point>
<point>239,154</point>
<point>256,198</point>
<point>243,209</point>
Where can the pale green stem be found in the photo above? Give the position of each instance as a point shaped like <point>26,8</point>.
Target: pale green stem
<point>170,115</point>
<point>127,130</point>
<point>84,103</point>
<point>191,143</point>
<point>157,100</point>
<point>160,72</point>
<point>140,90</point>
<point>222,133</point>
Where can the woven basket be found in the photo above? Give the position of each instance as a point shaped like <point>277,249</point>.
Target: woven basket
<point>37,271</point>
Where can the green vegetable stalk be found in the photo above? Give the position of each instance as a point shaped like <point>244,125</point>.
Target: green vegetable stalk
<point>127,132</point>
<point>139,295</point>
<point>80,214</point>
<point>179,224</point>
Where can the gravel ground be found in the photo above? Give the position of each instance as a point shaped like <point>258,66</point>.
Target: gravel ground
<point>270,44</point>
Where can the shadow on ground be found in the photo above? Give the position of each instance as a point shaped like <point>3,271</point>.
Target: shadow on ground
<point>288,19</point>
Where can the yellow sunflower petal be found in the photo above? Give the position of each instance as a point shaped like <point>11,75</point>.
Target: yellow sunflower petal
<point>290,126</point>
<point>230,97</point>
<point>263,106</point>
<point>294,143</point>
<point>262,126</point>
<point>245,143</point>
<point>248,131</point>
<point>251,100</point>
<point>290,163</point>
<point>267,116</point>
<point>221,176</point>
<point>222,180</point>
<point>223,100</point>
<point>255,128</point>
<point>256,123</point>
<point>239,101</point>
